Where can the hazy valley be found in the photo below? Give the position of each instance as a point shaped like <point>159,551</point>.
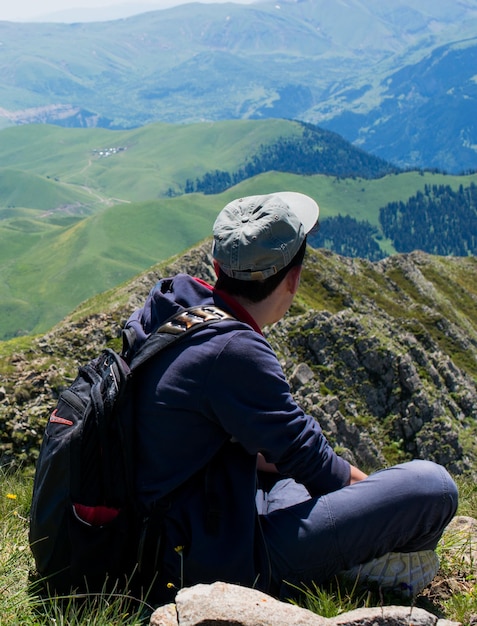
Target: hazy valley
<point>394,77</point>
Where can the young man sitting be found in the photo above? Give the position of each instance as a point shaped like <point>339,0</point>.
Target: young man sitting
<point>254,493</point>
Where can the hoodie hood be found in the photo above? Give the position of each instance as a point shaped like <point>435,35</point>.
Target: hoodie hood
<point>168,297</point>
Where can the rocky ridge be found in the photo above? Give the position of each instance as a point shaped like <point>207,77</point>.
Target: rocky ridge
<point>383,354</point>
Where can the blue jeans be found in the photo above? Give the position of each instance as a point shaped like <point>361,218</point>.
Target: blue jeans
<point>404,508</point>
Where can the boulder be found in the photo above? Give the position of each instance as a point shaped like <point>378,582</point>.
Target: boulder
<point>231,605</point>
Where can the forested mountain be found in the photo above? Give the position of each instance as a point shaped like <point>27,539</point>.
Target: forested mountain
<point>439,220</point>
<point>348,237</point>
<point>317,152</point>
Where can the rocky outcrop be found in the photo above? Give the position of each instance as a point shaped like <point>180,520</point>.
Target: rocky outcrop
<point>230,605</point>
<point>370,381</point>
<point>389,368</point>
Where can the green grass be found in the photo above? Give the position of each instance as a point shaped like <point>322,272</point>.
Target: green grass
<point>26,189</point>
<point>20,602</point>
<point>453,594</point>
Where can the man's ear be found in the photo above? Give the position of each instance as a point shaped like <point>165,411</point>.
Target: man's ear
<point>293,279</point>
<point>216,268</point>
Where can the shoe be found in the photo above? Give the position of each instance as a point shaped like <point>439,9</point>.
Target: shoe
<point>407,573</point>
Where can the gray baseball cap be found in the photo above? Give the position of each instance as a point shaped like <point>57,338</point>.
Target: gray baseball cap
<point>257,236</point>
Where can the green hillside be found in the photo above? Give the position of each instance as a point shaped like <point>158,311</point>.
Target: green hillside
<point>60,267</point>
<point>47,269</point>
<point>139,164</point>
<point>82,210</point>
<point>160,159</point>
<point>25,189</point>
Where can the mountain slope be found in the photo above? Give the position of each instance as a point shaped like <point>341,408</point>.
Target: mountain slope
<point>438,92</point>
<point>49,265</point>
<point>383,354</point>
<point>64,266</point>
<point>80,211</point>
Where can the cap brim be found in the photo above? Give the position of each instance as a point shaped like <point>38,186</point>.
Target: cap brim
<point>304,207</point>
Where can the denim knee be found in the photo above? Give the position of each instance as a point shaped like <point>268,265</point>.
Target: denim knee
<point>434,482</point>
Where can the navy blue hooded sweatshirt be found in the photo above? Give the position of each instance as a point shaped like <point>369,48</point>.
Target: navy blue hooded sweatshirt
<point>204,408</point>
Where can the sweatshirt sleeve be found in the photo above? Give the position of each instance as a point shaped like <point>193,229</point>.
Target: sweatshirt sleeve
<point>248,395</point>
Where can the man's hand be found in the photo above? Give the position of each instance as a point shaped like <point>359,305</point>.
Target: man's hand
<point>356,475</point>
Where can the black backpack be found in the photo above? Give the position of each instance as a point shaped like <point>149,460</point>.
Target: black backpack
<point>87,530</point>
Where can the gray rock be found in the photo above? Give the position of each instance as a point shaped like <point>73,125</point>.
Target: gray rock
<point>231,605</point>
<point>222,603</point>
<point>301,375</point>
<point>388,616</point>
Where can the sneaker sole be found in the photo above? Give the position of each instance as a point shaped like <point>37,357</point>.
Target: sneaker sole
<point>406,572</point>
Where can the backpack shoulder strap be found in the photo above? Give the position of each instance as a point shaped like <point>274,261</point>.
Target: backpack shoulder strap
<point>177,326</point>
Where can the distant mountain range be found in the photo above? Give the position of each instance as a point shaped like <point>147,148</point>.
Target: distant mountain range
<point>80,13</point>
<point>395,77</point>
